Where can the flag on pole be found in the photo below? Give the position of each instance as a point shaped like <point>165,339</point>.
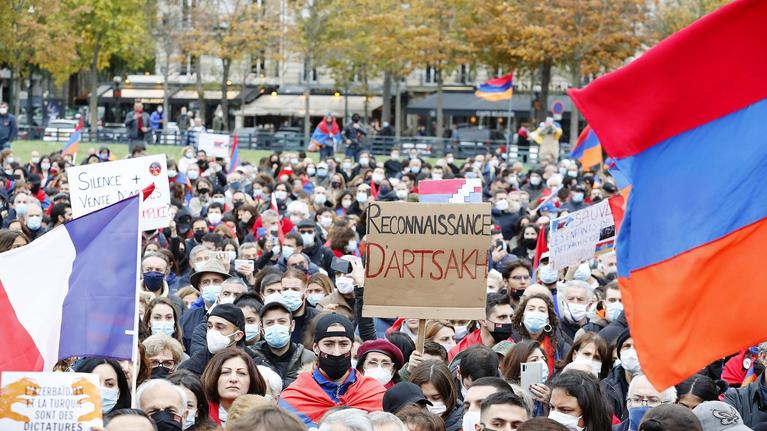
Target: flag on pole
<point>496,89</point>
<point>72,292</point>
<point>74,140</point>
<point>234,156</point>
<point>587,149</point>
<point>695,228</point>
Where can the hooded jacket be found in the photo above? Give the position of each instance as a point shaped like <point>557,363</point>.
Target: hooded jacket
<point>299,357</point>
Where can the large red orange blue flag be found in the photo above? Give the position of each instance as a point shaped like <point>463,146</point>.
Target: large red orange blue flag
<point>695,229</point>
<point>496,89</point>
<point>587,149</point>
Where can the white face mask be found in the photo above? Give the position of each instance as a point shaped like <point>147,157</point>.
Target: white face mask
<point>281,195</point>
<point>189,419</point>
<point>461,331</point>
<point>381,374</point>
<point>438,408</point>
<point>577,311</point>
<point>352,245</point>
<point>402,194</point>
<point>326,221</point>
<point>630,361</point>
<point>320,199</point>
<point>362,197</point>
<point>502,205</point>
<point>613,310</point>
<point>470,419</point>
<point>109,397</point>
<point>596,366</point>
<point>345,285</point>
<point>571,422</point>
<point>377,177</point>
<point>308,239</point>
<point>217,341</point>
<point>215,218</point>
<point>583,273</point>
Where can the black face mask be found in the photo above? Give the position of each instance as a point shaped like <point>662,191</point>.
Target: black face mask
<point>501,332</point>
<point>35,188</point>
<point>335,366</point>
<point>516,294</point>
<point>198,234</point>
<point>203,191</point>
<point>530,243</point>
<point>160,373</point>
<point>167,421</point>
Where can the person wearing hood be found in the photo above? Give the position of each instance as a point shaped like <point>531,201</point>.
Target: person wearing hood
<point>616,384</point>
<point>282,355</point>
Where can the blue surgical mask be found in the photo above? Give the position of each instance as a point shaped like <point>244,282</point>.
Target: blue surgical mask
<point>548,274</point>
<point>287,251</point>
<point>292,299</point>
<point>210,293</point>
<point>314,298</point>
<point>251,331</point>
<point>109,397</point>
<point>189,419</point>
<point>635,416</point>
<point>34,222</point>
<point>277,336</point>
<point>163,327</point>
<point>535,321</point>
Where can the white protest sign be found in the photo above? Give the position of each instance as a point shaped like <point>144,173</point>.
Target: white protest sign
<point>574,238</point>
<point>92,187</point>
<point>213,144</point>
<point>49,401</point>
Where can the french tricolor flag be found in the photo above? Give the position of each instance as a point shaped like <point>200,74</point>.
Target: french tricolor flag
<point>72,292</point>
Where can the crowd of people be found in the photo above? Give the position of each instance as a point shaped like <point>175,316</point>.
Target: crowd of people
<point>251,307</point>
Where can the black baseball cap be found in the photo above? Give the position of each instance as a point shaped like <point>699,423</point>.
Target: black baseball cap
<point>329,320</point>
<point>402,395</point>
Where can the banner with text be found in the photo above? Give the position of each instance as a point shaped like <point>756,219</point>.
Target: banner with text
<point>581,234</point>
<point>427,261</point>
<point>49,401</point>
<point>92,187</point>
<point>216,145</point>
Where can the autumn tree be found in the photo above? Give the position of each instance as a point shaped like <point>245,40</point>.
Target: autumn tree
<point>37,34</point>
<point>671,16</point>
<point>167,32</point>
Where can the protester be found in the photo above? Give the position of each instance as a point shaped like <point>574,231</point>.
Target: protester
<point>616,384</point>
<point>591,350</point>
<point>477,392</point>
<point>333,381</point>
<point>716,415</point>
<point>164,402</point>
<point>437,385</point>
<point>577,402</point>
<point>496,327</point>
<point>696,390</point>
<point>197,417</point>
<point>113,385</point>
<point>535,320</point>
<point>503,410</point>
<point>229,374</point>
<point>381,360</point>
<point>266,418</point>
<point>8,127</point>
<point>671,417</point>
<point>128,420</point>
<point>749,401</point>
<point>164,354</point>
<point>642,397</point>
<point>415,418</point>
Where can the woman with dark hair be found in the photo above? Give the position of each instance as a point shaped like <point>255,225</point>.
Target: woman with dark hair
<point>591,350</point>
<point>404,343</point>
<point>197,418</point>
<point>229,374</point>
<point>436,382</point>
<point>524,352</point>
<point>577,402</point>
<point>114,388</point>
<point>697,389</point>
<point>10,239</point>
<point>535,320</point>
<point>344,202</point>
<point>163,317</point>
<point>526,242</point>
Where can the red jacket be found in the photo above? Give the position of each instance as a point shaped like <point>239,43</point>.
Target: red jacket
<point>474,338</point>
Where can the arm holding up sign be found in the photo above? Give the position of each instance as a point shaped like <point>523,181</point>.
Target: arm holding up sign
<point>366,325</point>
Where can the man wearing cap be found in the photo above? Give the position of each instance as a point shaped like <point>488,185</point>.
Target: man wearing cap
<point>280,354</point>
<point>231,288</point>
<point>226,328</point>
<point>318,253</point>
<point>719,416</point>
<point>333,382</point>
<point>208,281</point>
<point>404,394</point>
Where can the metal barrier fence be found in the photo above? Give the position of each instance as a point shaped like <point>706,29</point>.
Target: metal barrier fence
<point>429,147</point>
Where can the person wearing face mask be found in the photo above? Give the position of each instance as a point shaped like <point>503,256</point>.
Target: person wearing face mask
<point>505,214</point>
<point>526,243</point>
<point>164,402</point>
<point>578,403</point>
<point>313,245</point>
<point>393,165</point>
<point>34,186</point>
<point>516,274</point>
<point>577,298</point>
<point>33,220</point>
<point>283,356</point>
<point>381,360</point>
<point>478,392</point>
<point>642,396</point>
<point>609,310</point>
<point>591,351</point>
<point>215,215</point>
<point>163,354</point>
<point>114,388</point>
<point>230,290</point>
<point>534,185</point>
<point>8,127</point>
<point>436,382</point>
<point>576,201</point>
<point>535,320</point>
<point>333,381</point>
<point>207,280</point>
<point>496,328</point>
<point>294,284</point>
<point>616,385</point>
<point>154,269</point>
<point>162,316</point>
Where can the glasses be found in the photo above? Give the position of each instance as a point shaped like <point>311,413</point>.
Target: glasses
<point>386,365</point>
<point>645,401</point>
<point>170,363</point>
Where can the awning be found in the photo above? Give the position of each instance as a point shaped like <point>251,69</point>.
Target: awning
<point>467,104</point>
<point>136,93</point>
<point>209,95</point>
<point>293,105</point>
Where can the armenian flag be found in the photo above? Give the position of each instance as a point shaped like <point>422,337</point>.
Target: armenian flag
<point>695,228</point>
<point>496,89</point>
<point>619,175</point>
<point>74,140</point>
<point>587,149</point>
<point>234,156</point>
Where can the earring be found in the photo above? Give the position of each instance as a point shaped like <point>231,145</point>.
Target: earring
<point>547,328</point>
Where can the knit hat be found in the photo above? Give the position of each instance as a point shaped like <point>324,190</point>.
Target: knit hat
<point>231,313</point>
<point>329,320</point>
<point>719,416</point>
<point>625,335</point>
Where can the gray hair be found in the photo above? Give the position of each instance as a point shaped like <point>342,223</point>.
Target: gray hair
<point>763,347</point>
<point>667,396</point>
<point>581,285</point>
<point>246,246</point>
<point>383,418</point>
<point>155,344</point>
<point>352,419</point>
<point>236,280</point>
<point>157,382</point>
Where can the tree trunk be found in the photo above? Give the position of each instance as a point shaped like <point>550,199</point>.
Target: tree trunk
<point>545,84</point>
<point>200,90</point>
<point>307,118</point>
<point>13,97</point>
<point>94,97</point>
<point>30,100</point>
<point>397,108</point>
<point>440,107</point>
<point>165,96</point>
<point>575,114</point>
<point>224,99</point>
<point>386,96</point>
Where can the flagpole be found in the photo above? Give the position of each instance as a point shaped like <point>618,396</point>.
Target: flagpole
<point>509,131</point>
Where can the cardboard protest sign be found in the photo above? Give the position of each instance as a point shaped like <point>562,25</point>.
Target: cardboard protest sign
<point>579,235</point>
<point>216,145</point>
<point>92,187</point>
<point>427,261</point>
<point>49,401</point>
